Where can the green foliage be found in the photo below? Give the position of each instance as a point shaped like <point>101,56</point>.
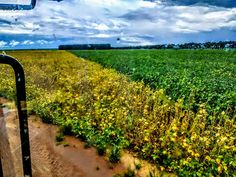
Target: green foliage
<point>59,137</point>
<point>66,144</point>
<point>196,76</point>
<point>127,173</point>
<point>111,112</point>
<point>138,166</point>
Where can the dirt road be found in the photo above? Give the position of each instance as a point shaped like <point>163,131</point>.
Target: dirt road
<point>69,159</point>
<point>48,158</point>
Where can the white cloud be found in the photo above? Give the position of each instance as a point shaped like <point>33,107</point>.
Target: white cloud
<point>101,27</point>
<point>109,18</point>
<point>14,43</point>
<point>43,42</point>
<point>28,42</point>
<point>101,35</point>
<point>135,41</point>
<point>68,18</point>
<point>198,19</point>
<point>3,43</point>
<point>166,21</point>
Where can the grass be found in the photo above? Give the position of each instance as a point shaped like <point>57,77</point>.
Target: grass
<point>106,109</point>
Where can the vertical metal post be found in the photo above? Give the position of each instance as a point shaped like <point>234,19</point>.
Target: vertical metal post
<point>1,171</point>
<point>22,112</point>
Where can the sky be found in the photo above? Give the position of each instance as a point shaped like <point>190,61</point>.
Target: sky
<point>118,22</point>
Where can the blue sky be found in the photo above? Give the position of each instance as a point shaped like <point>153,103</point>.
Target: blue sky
<point>134,22</point>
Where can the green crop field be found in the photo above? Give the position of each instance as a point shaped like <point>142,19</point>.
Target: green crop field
<point>175,109</point>
<point>196,76</point>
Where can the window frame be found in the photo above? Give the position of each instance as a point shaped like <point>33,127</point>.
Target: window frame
<point>18,6</point>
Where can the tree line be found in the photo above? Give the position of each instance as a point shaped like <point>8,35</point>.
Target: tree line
<point>191,45</point>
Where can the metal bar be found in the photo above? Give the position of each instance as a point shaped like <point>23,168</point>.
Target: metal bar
<point>18,6</point>
<point>22,111</point>
<point>1,171</point>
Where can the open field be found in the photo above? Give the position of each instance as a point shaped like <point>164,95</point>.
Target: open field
<point>196,76</point>
<point>109,111</point>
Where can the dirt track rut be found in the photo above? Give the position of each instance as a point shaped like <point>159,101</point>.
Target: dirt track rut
<point>48,158</point>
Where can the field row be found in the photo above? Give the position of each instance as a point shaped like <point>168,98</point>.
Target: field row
<point>196,76</point>
<point>108,111</point>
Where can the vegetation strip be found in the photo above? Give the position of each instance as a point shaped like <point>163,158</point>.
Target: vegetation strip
<point>197,76</point>
<point>110,112</point>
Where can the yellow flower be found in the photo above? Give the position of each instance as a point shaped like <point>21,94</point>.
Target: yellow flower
<point>189,159</point>
<point>218,161</point>
<point>197,155</point>
<point>225,167</point>
<point>219,169</point>
<point>208,158</point>
<point>146,138</point>
<point>185,162</point>
<point>162,168</point>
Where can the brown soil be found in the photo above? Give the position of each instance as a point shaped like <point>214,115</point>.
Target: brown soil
<point>68,159</point>
<point>49,159</point>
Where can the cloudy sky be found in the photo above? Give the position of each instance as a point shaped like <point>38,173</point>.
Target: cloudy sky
<point>133,22</point>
